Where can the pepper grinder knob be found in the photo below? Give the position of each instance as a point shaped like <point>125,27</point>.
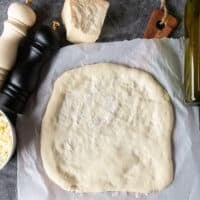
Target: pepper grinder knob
<point>20,18</point>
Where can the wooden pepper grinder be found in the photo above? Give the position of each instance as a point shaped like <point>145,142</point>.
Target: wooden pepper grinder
<point>24,78</point>
<point>20,18</point>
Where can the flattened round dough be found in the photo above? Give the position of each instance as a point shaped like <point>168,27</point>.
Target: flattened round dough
<point>108,128</point>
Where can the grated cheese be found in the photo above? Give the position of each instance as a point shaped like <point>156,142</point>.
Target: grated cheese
<point>5,139</point>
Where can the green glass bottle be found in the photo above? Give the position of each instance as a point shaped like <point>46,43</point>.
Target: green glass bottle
<point>192,54</point>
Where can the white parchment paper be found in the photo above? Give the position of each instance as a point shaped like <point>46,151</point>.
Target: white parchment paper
<point>162,58</point>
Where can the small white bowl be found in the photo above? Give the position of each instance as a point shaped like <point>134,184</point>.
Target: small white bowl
<point>14,142</point>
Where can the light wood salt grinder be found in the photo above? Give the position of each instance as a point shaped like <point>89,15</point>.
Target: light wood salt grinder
<point>20,18</point>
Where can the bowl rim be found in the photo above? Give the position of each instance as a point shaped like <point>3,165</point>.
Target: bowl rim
<point>13,135</point>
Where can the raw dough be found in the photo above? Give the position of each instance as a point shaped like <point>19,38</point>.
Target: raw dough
<point>108,128</point>
<point>84,19</point>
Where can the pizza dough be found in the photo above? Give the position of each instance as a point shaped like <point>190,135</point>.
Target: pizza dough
<point>108,128</point>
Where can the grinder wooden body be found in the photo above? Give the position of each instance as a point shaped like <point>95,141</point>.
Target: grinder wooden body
<point>20,18</point>
<point>25,75</point>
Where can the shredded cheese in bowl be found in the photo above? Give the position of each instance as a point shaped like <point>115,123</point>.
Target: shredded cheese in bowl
<point>6,140</point>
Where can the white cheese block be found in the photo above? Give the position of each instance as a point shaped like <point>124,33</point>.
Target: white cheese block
<point>83,19</point>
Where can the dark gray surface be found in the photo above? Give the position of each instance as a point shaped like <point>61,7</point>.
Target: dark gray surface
<point>126,19</point>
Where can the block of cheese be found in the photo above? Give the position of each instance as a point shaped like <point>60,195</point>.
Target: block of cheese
<point>83,19</point>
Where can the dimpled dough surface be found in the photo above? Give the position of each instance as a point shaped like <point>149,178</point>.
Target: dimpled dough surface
<point>108,128</point>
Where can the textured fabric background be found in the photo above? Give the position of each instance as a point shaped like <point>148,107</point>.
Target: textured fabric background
<point>126,19</point>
